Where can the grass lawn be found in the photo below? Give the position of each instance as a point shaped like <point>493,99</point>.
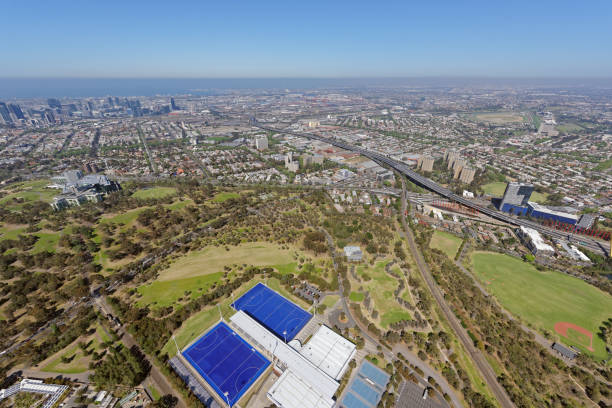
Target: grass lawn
<point>213,259</point>
<point>496,188</point>
<point>28,191</point>
<point>155,192</point>
<point>394,316</point>
<point>445,242</point>
<point>167,292</point>
<point>568,127</point>
<point>329,301</point>
<point>154,393</point>
<point>179,204</point>
<point>224,196</point>
<point>46,242</point>
<point>11,231</point>
<point>500,117</point>
<point>101,333</point>
<point>381,287</point>
<point>197,324</point>
<point>356,296</point>
<point>544,298</point>
<point>124,218</point>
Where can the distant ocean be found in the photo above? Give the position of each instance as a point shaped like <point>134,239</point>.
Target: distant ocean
<point>99,87</point>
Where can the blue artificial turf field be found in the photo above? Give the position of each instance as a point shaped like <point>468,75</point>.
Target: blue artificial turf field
<point>226,361</point>
<point>273,311</point>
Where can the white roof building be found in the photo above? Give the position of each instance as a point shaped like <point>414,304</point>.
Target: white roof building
<point>289,391</point>
<point>329,351</point>
<point>353,253</point>
<point>535,242</point>
<point>305,370</point>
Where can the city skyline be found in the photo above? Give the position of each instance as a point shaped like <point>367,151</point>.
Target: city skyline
<point>273,39</point>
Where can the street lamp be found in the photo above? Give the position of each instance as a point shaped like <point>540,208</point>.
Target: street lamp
<point>227,399</point>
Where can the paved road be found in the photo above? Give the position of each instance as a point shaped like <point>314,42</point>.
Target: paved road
<point>479,360</point>
<point>155,376</point>
<point>588,242</point>
<point>391,355</point>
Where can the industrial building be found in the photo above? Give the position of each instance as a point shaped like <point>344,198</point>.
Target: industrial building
<point>515,199</point>
<point>536,210</point>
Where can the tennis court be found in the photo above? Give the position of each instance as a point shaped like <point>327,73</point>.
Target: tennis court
<point>367,388</point>
<point>273,311</point>
<point>226,361</point>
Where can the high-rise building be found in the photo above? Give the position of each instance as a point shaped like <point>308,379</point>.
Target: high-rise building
<point>467,175</point>
<point>451,158</point>
<point>5,114</point>
<point>16,110</point>
<point>516,197</point>
<point>173,104</point>
<point>290,163</point>
<point>425,163</point>
<point>261,142</point>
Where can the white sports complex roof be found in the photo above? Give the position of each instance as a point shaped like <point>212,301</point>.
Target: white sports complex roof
<point>289,391</point>
<point>329,351</point>
<point>325,385</point>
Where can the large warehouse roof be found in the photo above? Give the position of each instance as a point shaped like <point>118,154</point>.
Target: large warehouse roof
<point>289,391</point>
<point>294,361</point>
<point>329,351</point>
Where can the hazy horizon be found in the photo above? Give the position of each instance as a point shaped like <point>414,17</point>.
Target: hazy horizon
<point>98,87</point>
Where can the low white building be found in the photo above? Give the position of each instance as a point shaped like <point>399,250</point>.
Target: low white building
<point>353,253</point>
<point>534,241</point>
<point>329,351</point>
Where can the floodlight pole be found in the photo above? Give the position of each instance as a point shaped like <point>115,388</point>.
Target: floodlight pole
<point>177,347</point>
<point>285,335</point>
<point>220,314</point>
<point>226,394</point>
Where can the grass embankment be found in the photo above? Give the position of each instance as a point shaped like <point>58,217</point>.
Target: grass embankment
<point>381,287</point>
<point>542,299</point>
<point>76,360</point>
<point>445,242</point>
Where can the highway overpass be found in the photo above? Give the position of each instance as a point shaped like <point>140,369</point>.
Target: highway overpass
<point>587,242</point>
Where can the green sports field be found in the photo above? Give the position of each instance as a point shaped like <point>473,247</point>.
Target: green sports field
<point>543,299</point>
<point>445,242</point>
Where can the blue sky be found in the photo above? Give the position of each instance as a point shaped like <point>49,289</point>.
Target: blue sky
<point>132,38</point>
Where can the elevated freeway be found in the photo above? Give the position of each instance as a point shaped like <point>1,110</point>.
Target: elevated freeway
<point>589,243</point>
